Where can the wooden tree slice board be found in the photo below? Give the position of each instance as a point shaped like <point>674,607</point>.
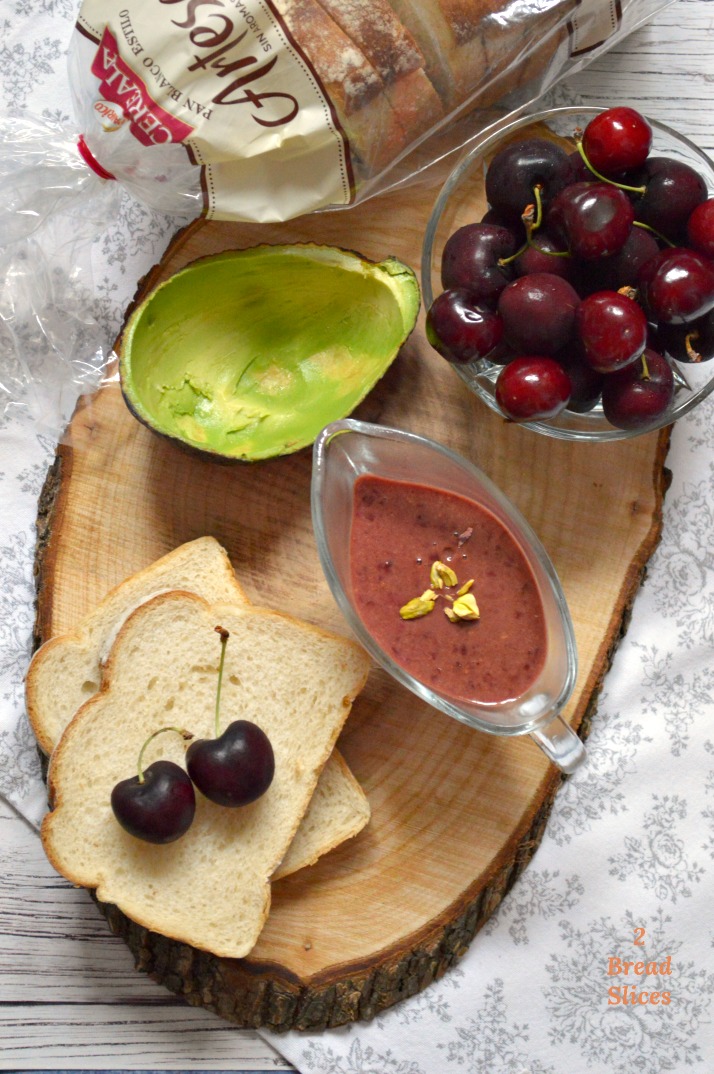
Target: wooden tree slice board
<point>457,814</point>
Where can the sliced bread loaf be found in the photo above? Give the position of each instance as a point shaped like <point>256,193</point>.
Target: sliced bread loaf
<point>390,48</point>
<point>66,671</point>
<point>211,888</point>
<point>353,85</point>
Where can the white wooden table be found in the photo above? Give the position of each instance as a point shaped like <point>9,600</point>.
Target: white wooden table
<point>69,995</point>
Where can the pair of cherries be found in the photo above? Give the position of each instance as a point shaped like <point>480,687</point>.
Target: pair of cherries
<point>233,769</point>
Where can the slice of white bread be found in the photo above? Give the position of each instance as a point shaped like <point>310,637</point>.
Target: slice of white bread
<point>66,671</point>
<point>211,888</point>
<point>338,810</point>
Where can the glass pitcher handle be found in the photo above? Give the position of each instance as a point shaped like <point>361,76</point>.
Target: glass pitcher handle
<point>561,744</point>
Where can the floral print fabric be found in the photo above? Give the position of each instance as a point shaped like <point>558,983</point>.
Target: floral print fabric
<point>630,842</point>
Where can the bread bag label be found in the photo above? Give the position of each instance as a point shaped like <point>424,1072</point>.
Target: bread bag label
<point>224,79</point>
<point>592,22</point>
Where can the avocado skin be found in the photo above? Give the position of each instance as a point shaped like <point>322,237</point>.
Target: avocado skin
<point>183,445</point>
<point>272,341</point>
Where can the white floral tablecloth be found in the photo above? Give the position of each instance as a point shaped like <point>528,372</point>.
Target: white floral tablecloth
<point>626,868</point>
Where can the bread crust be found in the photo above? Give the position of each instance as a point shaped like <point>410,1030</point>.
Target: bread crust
<point>49,720</point>
<point>387,44</point>
<point>154,886</point>
<point>423,58</point>
<point>352,84</point>
<point>66,666</point>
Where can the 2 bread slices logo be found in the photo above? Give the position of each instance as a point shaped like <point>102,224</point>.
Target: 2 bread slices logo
<point>632,993</point>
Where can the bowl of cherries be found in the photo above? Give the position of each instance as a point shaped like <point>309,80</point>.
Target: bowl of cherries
<point>568,273</point>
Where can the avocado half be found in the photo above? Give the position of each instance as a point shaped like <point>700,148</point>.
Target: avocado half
<point>248,354</point>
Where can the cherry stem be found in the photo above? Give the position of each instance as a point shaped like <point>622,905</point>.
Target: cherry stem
<point>645,367</point>
<point>660,236</point>
<point>507,260</point>
<point>533,225</point>
<point>532,218</point>
<point>186,735</point>
<point>603,178</point>
<point>224,641</point>
<point>692,354</point>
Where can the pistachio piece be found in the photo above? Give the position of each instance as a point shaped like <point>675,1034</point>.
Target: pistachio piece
<point>419,606</point>
<point>466,607</point>
<point>465,588</point>
<point>441,575</point>
<point>451,614</point>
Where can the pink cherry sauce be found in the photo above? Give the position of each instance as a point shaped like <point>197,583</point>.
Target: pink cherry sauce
<point>398,530</point>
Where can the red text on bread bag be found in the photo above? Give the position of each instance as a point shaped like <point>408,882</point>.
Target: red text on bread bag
<point>149,122</point>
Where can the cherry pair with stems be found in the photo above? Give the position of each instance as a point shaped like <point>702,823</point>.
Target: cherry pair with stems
<point>233,769</point>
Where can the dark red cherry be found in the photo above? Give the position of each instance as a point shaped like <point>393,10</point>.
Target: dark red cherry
<point>158,807</point>
<point>612,329</point>
<point>673,191</point>
<point>622,269</point>
<point>693,342</point>
<point>700,228</point>
<point>544,254</point>
<point>677,285</point>
<point>470,261</point>
<point>640,394</point>
<point>617,140</point>
<point>462,330</point>
<point>532,387</point>
<point>517,169</point>
<point>502,354</point>
<point>586,383</point>
<point>579,171</point>
<point>234,769</point>
<point>492,216</point>
<point>538,313</point>
<point>592,219</point>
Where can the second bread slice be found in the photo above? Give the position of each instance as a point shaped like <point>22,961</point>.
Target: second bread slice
<point>66,671</point>
<point>211,888</point>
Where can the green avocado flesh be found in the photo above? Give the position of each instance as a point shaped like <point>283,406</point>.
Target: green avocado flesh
<point>250,353</point>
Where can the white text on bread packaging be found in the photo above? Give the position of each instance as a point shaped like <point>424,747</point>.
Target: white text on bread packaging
<point>266,109</point>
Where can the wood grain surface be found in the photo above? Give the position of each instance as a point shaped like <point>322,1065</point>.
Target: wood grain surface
<point>456,814</point>
<point>87,1007</point>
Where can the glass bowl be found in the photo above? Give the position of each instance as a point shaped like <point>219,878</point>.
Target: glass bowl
<point>462,201</point>
<point>347,450</point>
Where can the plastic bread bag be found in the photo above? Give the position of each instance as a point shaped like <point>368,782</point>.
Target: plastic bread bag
<point>256,110</point>
<point>262,110</point>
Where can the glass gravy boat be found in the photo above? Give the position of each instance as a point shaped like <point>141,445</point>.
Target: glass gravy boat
<point>346,450</point>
